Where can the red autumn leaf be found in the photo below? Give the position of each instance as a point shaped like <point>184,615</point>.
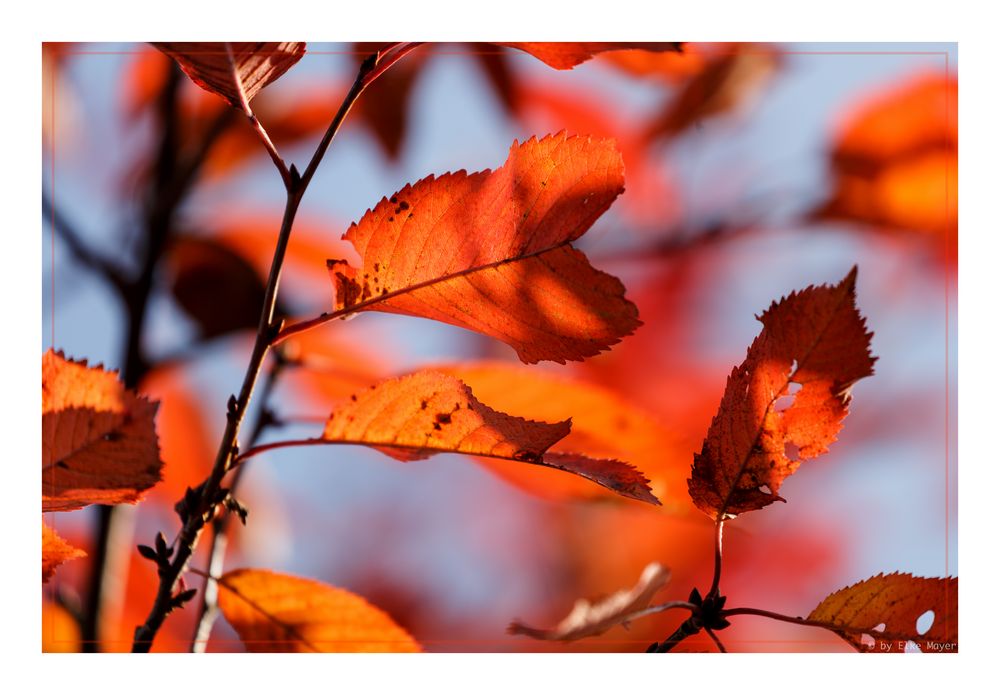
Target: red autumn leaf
<point>274,612</point>
<point>491,252</point>
<point>234,70</point>
<point>895,160</point>
<point>815,338</point>
<point>727,82</point>
<point>589,619</point>
<point>667,67</point>
<point>99,441</point>
<point>55,551</point>
<point>605,425</point>
<point>384,108</point>
<point>427,413</point>
<point>217,288</point>
<point>566,55</point>
<point>886,609</point>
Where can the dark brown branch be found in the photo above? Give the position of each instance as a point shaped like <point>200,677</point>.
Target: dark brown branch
<point>715,638</point>
<point>196,519</point>
<point>272,151</point>
<point>209,609</point>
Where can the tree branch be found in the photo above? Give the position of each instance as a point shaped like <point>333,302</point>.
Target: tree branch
<point>272,151</point>
<point>209,609</point>
<point>267,330</point>
<point>717,573</point>
<point>74,241</point>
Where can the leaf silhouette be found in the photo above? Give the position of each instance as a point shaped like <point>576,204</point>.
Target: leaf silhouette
<point>99,441</point>
<point>229,69</point>
<point>886,609</point>
<point>589,619</point>
<point>274,612</point>
<point>427,413</point>
<point>55,551</point>
<point>491,252</point>
<point>605,425</point>
<point>217,288</point>
<point>815,338</point>
<point>566,55</point>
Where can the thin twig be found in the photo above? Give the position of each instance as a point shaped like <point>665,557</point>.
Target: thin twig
<point>272,151</point>
<point>209,609</point>
<point>717,573</point>
<point>267,330</point>
<point>74,241</point>
<point>688,628</point>
<point>715,638</point>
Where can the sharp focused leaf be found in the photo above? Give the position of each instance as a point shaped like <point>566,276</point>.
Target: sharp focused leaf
<point>815,338</point>
<point>887,607</point>
<point>428,412</point>
<point>605,425</point>
<point>491,252</point>
<point>274,612</point>
<point>588,619</point>
<point>99,441</point>
<point>55,551</point>
<point>566,55</point>
<point>252,66</point>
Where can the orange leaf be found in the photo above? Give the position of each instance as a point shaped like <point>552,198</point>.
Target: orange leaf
<point>60,632</point>
<point>896,159</point>
<point>427,413</point>
<point>589,619</point>
<point>274,612</point>
<point>886,608</point>
<point>228,69</point>
<point>491,252</point>
<point>605,425</point>
<point>99,441</point>
<point>565,55</point>
<point>816,338</point>
<point>55,551</point>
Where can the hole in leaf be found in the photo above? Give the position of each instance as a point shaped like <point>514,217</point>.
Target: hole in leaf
<point>765,489</point>
<point>924,622</point>
<point>792,451</point>
<point>868,641</point>
<point>911,648</point>
<point>879,628</point>
<point>785,402</point>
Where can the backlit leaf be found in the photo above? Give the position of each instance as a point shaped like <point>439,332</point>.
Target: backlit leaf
<point>886,609</point>
<point>491,252</point>
<point>274,612</point>
<point>251,67</point>
<point>815,338</point>
<point>566,55</point>
<point>99,441</point>
<point>588,619</point>
<point>605,425</point>
<point>427,413</point>
<point>55,551</point>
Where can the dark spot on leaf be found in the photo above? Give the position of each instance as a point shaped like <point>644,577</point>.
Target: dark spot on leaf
<point>443,418</point>
<point>61,464</point>
<point>423,405</point>
<point>437,426</point>
<point>354,397</point>
<point>392,219</point>
<point>404,205</point>
<point>113,436</point>
<point>393,200</point>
